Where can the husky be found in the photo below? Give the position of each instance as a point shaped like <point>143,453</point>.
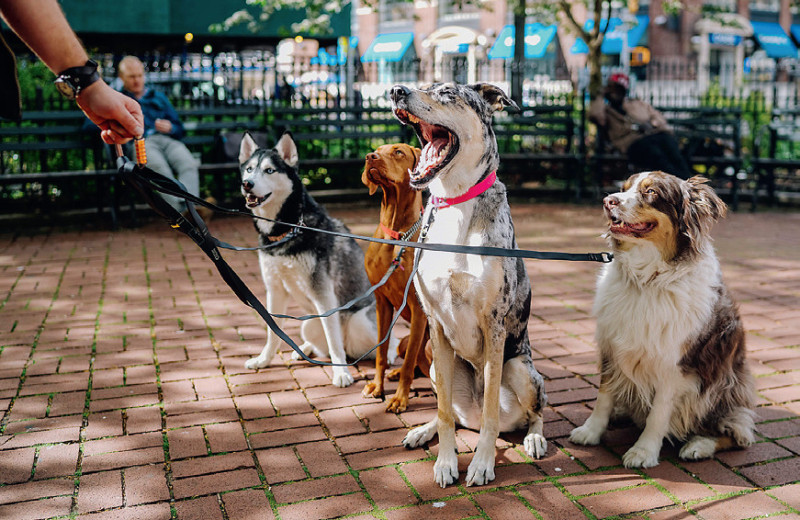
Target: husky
<point>319,271</point>
<point>477,307</point>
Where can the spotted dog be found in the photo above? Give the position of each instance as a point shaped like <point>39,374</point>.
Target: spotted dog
<point>477,306</point>
<point>319,271</point>
<point>672,345</point>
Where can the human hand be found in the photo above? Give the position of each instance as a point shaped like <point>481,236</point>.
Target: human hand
<point>119,117</point>
<point>163,126</point>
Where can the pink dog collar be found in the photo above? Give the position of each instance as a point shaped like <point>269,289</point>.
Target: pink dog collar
<point>473,192</point>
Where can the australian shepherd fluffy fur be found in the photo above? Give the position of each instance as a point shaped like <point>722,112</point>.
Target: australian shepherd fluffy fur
<point>671,343</point>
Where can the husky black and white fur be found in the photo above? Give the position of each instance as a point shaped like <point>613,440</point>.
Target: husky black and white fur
<point>477,307</point>
<point>672,349</point>
<point>318,271</point>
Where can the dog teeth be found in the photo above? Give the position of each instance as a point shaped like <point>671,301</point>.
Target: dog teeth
<point>414,119</point>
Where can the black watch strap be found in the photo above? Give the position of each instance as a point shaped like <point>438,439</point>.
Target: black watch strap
<point>71,81</point>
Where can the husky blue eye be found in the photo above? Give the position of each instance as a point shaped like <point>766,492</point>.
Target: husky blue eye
<point>270,170</point>
<point>249,169</point>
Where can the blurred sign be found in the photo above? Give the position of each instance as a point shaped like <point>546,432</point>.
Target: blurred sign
<point>728,40</point>
<point>640,56</point>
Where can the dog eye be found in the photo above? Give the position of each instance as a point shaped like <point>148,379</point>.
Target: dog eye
<point>398,152</point>
<point>249,169</point>
<point>650,191</point>
<point>270,170</point>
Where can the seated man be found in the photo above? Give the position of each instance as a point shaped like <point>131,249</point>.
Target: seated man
<point>163,131</point>
<point>637,129</point>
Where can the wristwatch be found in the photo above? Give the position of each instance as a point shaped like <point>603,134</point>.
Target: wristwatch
<point>71,81</point>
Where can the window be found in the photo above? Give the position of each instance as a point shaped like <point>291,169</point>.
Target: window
<point>395,11</point>
<point>772,6</point>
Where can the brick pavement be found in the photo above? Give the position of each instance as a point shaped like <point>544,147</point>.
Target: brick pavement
<point>123,393</point>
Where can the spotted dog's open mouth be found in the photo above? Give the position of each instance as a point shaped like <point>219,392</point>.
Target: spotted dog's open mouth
<point>253,201</point>
<point>439,146</point>
<point>619,227</point>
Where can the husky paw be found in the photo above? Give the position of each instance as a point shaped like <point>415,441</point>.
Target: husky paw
<point>535,445</point>
<point>342,379</point>
<point>419,436</point>
<point>698,448</point>
<point>585,435</point>
<point>307,349</point>
<point>480,471</point>
<point>445,470</point>
<point>638,457</point>
<point>256,363</point>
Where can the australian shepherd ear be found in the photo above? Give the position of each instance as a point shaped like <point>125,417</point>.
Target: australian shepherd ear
<point>702,207</point>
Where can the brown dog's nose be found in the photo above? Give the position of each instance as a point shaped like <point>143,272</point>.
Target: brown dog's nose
<point>247,185</point>
<point>611,201</point>
<point>372,156</point>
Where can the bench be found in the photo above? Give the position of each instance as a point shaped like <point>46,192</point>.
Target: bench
<point>49,160</point>
<point>775,163</point>
<point>541,143</point>
<point>710,140</point>
<point>336,140</point>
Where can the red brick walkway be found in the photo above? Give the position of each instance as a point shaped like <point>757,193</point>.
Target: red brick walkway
<point>123,393</point>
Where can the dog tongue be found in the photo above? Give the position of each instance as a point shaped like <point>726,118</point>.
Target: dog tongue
<point>432,154</point>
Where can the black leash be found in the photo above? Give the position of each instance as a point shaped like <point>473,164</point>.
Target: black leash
<point>195,228</point>
<point>170,187</point>
<point>147,183</point>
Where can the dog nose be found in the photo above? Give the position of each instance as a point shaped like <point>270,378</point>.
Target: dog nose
<point>611,201</point>
<point>372,156</point>
<point>247,185</point>
<point>398,92</point>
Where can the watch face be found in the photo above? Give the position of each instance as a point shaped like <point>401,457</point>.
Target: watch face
<point>66,90</point>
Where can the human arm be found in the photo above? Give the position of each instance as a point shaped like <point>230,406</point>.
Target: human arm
<point>43,27</point>
<point>597,111</point>
<point>170,124</point>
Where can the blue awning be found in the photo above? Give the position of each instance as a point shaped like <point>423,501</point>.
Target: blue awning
<point>388,47</point>
<point>537,39</point>
<point>795,30</point>
<point>612,43</point>
<point>774,40</point>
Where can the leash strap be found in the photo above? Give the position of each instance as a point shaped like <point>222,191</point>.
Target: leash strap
<point>171,187</point>
<point>139,177</point>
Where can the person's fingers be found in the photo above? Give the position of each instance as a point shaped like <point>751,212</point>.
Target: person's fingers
<point>131,117</point>
<point>112,137</point>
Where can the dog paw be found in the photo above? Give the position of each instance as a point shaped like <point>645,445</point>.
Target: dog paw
<point>397,403</point>
<point>480,472</point>
<point>419,436</point>
<point>372,389</point>
<point>585,435</point>
<point>638,457</point>
<point>342,379</point>
<point>394,374</point>
<point>445,470</point>
<point>535,445</point>
<point>698,448</point>
<point>256,363</point>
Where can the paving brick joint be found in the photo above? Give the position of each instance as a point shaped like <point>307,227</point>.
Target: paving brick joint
<point>123,392</point>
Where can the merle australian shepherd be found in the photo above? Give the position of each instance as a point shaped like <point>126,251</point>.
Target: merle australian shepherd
<point>672,349</point>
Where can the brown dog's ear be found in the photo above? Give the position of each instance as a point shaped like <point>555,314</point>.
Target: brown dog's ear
<point>494,96</point>
<point>702,207</point>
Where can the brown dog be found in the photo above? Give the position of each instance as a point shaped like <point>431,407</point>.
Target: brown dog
<point>387,168</point>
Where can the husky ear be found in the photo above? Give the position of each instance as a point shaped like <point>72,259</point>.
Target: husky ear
<point>494,96</point>
<point>287,149</point>
<point>247,148</point>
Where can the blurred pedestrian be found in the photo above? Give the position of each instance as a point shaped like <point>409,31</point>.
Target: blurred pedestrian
<point>637,129</point>
<point>43,27</point>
